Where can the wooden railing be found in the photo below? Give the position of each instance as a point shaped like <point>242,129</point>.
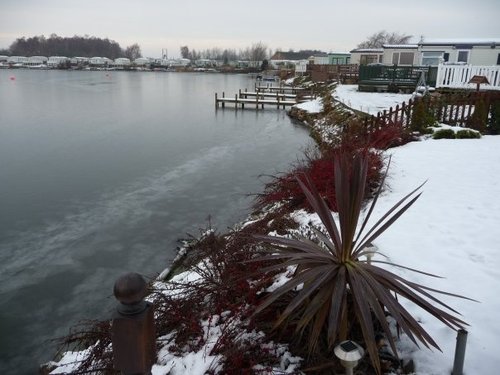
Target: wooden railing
<point>452,109</point>
<point>458,76</point>
<point>340,72</point>
<point>395,74</point>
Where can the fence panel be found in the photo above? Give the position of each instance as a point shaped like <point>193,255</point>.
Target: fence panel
<point>458,76</point>
<point>452,109</point>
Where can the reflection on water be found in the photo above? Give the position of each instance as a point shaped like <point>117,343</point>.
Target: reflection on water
<point>102,172</point>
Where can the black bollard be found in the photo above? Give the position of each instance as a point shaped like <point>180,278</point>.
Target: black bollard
<point>458,362</point>
<point>133,332</point>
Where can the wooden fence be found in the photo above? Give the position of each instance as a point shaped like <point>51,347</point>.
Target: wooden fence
<point>339,72</point>
<point>452,109</point>
<point>458,76</point>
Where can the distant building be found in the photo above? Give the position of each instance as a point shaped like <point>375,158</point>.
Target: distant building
<point>333,58</point>
<point>35,61</point>
<point>79,61</point>
<point>179,63</point>
<point>122,62</point>
<point>205,63</point>
<point>365,56</point>
<point>485,51</point>
<point>100,62</point>
<point>55,61</point>
<point>402,54</point>
<point>432,52</point>
<point>14,60</point>
<point>289,58</point>
<point>142,61</point>
<point>301,67</point>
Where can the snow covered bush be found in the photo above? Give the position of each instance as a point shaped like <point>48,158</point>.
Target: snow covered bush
<point>444,134</point>
<point>422,116</point>
<point>467,134</point>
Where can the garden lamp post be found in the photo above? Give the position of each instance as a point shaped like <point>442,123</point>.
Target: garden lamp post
<point>478,80</point>
<point>349,354</point>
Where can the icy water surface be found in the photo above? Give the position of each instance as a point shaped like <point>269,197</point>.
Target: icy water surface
<point>101,173</point>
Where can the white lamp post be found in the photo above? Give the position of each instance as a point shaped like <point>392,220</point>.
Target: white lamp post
<point>349,354</point>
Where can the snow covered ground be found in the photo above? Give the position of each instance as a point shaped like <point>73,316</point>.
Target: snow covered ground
<point>451,231</point>
<point>369,102</point>
<point>311,106</point>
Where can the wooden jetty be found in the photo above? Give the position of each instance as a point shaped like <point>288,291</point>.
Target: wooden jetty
<point>273,95</point>
<point>254,102</point>
<point>282,89</point>
<point>258,99</point>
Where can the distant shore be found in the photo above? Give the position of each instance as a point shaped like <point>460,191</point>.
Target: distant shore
<point>138,69</point>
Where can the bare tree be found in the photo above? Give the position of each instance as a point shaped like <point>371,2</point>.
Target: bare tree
<point>184,52</point>
<point>193,55</point>
<point>258,52</point>
<point>133,52</point>
<point>255,53</point>
<point>378,39</point>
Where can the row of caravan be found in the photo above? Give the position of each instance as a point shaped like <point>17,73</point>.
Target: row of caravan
<point>62,61</point>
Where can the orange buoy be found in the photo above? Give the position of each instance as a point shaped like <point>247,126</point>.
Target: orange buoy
<point>12,78</point>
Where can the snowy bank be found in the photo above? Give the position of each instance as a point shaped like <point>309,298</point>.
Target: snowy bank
<point>368,102</point>
<point>312,106</point>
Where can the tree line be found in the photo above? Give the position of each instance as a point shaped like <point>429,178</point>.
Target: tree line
<point>256,52</point>
<point>84,46</point>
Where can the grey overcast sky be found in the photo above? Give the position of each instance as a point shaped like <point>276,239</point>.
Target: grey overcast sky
<point>328,25</point>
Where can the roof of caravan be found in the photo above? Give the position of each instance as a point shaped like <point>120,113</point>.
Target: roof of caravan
<point>454,41</point>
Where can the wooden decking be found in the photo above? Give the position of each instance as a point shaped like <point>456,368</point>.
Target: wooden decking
<point>279,97</point>
<point>282,89</point>
<point>252,102</point>
<point>393,78</point>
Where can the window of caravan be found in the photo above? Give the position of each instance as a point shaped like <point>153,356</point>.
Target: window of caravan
<point>432,57</point>
<point>463,56</point>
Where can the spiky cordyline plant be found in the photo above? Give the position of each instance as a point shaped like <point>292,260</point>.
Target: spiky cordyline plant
<point>340,287</point>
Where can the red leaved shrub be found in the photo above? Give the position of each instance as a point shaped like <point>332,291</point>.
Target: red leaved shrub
<point>390,135</point>
<point>355,136</point>
<point>286,189</point>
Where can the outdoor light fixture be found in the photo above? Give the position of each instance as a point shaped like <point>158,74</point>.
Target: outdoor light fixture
<point>349,354</point>
<point>478,80</point>
<point>370,249</point>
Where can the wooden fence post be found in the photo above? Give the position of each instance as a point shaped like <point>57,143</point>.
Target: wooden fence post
<point>409,113</point>
<point>133,333</point>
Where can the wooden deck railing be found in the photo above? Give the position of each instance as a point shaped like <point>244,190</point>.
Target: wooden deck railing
<point>395,74</point>
<point>339,72</point>
<point>458,76</point>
